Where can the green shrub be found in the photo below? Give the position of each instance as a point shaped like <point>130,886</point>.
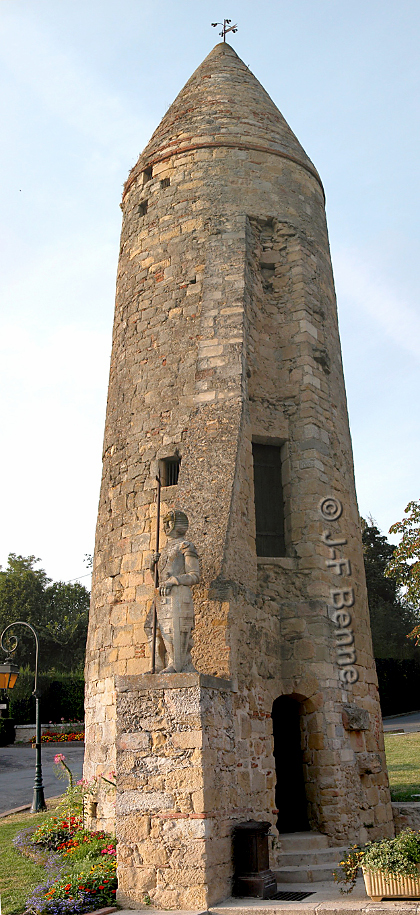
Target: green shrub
<point>7,731</point>
<point>62,696</point>
<point>399,682</point>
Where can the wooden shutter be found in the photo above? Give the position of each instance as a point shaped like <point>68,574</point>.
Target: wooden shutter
<point>268,495</point>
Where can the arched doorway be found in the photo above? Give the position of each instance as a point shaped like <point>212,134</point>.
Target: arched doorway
<point>290,787</point>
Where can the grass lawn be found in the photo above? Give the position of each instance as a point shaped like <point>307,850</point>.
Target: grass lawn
<point>18,874</point>
<point>403,760</point>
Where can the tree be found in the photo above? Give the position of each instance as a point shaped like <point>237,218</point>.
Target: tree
<point>404,565</point>
<point>58,612</point>
<point>391,615</point>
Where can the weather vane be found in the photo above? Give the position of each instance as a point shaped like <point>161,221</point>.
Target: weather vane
<point>226,27</point>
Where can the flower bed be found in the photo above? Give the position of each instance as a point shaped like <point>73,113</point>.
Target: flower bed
<point>80,865</point>
<point>57,737</point>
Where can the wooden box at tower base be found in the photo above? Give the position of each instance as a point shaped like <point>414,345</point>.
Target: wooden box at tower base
<point>227,433</point>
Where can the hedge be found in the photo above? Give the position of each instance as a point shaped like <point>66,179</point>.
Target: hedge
<point>399,685</point>
<point>7,731</point>
<point>62,696</point>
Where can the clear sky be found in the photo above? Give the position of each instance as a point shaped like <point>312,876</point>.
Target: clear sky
<point>83,84</point>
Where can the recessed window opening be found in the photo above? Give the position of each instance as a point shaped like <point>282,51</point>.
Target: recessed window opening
<point>169,470</point>
<point>147,174</point>
<point>143,208</point>
<point>269,502</point>
<point>165,182</point>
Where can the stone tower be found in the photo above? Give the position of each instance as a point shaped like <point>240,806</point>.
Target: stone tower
<point>226,374</point>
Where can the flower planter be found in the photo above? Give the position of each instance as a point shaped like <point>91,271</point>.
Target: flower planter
<point>379,885</point>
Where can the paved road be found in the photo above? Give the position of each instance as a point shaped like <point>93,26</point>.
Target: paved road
<point>17,772</point>
<point>410,722</point>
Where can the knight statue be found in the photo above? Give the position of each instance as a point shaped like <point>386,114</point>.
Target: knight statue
<point>178,570</point>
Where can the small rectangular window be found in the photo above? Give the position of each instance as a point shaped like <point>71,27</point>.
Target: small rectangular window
<point>268,495</point>
<point>147,174</point>
<point>143,208</point>
<point>165,182</point>
<point>169,471</point>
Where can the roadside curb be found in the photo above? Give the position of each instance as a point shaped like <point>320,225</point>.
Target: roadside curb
<point>401,715</point>
<point>103,911</point>
<point>9,813</point>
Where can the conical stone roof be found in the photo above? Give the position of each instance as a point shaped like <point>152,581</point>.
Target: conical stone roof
<point>222,104</point>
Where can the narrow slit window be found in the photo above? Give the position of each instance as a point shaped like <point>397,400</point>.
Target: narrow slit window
<point>269,504</point>
<point>147,174</point>
<point>169,471</point>
<point>143,208</point>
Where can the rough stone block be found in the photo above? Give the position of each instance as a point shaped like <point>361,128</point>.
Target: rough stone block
<point>355,719</point>
<point>369,763</point>
<point>143,802</point>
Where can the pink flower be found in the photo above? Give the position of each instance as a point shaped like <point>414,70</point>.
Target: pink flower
<point>59,758</point>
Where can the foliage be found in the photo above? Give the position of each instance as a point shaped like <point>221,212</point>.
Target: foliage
<point>81,864</point>
<point>391,615</point>
<point>62,696</point>
<point>404,565</point>
<point>83,889</point>
<point>56,830</point>
<point>58,612</point>
<point>62,769</point>
<point>7,731</point>
<point>399,682</point>
<point>346,872</point>
<point>87,878</point>
<point>391,856</point>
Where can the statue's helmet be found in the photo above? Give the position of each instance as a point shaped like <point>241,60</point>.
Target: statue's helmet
<point>177,520</point>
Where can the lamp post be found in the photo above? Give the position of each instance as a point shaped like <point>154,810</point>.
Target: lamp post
<point>8,676</point>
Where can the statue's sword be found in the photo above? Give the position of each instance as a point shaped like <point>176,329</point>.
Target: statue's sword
<point>156,571</point>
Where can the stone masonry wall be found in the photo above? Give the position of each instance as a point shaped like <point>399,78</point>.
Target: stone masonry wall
<point>178,797</point>
<point>283,635</point>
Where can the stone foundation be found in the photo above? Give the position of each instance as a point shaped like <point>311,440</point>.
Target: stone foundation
<point>176,795</point>
<point>406,816</point>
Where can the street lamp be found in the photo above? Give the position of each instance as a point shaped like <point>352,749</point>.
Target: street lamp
<point>8,676</point>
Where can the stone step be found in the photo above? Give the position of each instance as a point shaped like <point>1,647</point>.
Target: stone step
<point>314,873</point>
<point>305,858</point>
<point>294,841</point>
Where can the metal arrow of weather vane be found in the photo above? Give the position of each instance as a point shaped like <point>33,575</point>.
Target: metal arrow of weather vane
<point>226,27</point>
